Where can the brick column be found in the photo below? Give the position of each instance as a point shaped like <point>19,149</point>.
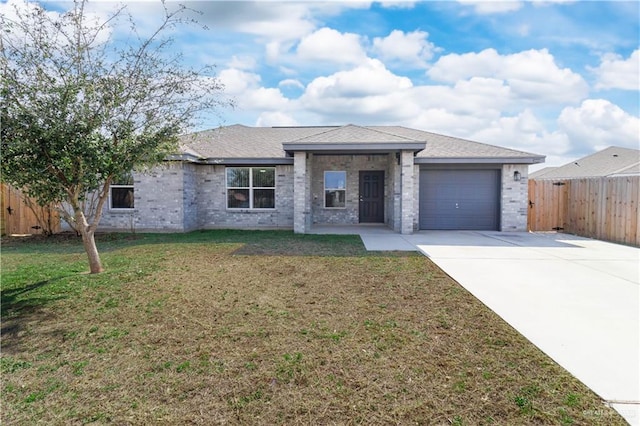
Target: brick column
<point>300,193</point>
<point>515,198</point>
<point>407,199</point>
<point>396,193</point>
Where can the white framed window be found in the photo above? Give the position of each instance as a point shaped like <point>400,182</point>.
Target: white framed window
<point>251,187</point>
<point>335,189</point>
<point>121,193</point>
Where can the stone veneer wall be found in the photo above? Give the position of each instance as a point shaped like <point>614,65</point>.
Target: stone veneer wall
<point>394,194</point>
<point>416,196</point>
<point>189,197</point>
<point>514,198</point>
<point>159,201</point>
<point>183,197</point>
<point>212,209</point>
<point>352,164</point>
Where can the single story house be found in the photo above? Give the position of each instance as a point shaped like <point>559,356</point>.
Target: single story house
<point>298,177</point>
<point>609,162</point>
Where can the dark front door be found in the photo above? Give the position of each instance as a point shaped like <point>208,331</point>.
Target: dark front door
<point>371,197</point>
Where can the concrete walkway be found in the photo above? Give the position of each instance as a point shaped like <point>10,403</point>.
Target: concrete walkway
<point>575,298</point>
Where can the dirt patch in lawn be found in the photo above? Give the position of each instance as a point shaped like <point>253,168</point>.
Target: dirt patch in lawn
<point>204,333</point>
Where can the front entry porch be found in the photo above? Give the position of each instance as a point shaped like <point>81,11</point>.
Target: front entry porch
<point>349,189</point>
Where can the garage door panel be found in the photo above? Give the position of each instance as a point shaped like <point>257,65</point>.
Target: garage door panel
<point>459,199</point>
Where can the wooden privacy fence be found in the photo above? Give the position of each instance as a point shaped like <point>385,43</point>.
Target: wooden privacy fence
<point>22,215</point>
<point>604,208</point>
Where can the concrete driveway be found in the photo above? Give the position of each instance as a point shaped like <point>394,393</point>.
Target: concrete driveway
<point>577,299</point>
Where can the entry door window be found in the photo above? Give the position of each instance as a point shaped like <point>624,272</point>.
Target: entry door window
<point>335,189</point>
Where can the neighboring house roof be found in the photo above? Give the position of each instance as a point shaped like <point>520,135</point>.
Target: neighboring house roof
<point>238,143</point>
<point>631,170</point>
<point>608,162</point>
<point>541,172</point>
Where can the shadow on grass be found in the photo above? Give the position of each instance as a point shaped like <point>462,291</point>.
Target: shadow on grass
<point>15,301</point>
<point>15,329</point>
<point>19,308</point>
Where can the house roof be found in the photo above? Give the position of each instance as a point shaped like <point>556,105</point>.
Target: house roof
<point>238,143</point>
<point>608,162</point>
<point>353,138</point>
<point>541,172</point>
<point>441,147</point>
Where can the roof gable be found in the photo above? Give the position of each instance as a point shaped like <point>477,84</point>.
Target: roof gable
<point>354,134</point>
<point>352,138</point>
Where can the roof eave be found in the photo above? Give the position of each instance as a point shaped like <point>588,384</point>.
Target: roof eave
<point>480,160</point>
<point>234,161</point>
<point>351,148</point>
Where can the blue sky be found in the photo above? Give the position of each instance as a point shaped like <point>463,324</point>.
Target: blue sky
<point>558,78</point>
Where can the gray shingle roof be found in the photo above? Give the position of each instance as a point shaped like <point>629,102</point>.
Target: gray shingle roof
<point>541,172</point>
<point>610,161</point>
<point>238,141</point>
<point>442,146</point>
<point>355,134</point>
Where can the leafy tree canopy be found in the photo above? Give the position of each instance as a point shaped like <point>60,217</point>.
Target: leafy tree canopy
<point>79,108</point>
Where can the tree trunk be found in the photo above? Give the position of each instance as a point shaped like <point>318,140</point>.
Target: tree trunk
<point>89,242</point>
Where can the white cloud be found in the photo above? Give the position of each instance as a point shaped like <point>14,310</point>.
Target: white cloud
<point>275,118</point>
<point>249,94</point>
<point>369,93</point>
<point>479,98</point>
<point>487,7</point>
<point>370,79</point>
<point>550,2</point>
<point>398,4</point>
<point>329,45</point>
<point>275,21</point>
<point>410,48</point>
<point>453,67</point>
<point>58,29</point>
<point>598,124</point>
<point>237,82</point>
<point>615,72</point>
<point>490,7</point>
<point>290,82</point>
<point>523,131</point>
<point>372,93</point>
<point>532,75</point>
<point>242,62</point>
<point>263,99</point>
<point>441,120</point>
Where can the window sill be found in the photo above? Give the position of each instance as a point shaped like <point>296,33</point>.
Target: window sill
<point>230,210</point>
<point>122,211</point>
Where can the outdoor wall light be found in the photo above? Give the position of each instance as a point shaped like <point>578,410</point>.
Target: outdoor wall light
<point>516,176</point>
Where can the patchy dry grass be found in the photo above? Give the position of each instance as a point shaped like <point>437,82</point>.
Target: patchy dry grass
<point>263,328</point>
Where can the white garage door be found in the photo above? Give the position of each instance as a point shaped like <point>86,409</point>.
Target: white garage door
<point>460,199</point>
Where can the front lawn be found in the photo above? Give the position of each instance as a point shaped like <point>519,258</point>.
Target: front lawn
<point>230,327</point>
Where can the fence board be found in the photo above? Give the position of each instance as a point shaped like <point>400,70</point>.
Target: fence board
<point>19,218</point>
<point>603,208</point>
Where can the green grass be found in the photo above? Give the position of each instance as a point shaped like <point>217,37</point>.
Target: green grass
<point>244,327</point>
